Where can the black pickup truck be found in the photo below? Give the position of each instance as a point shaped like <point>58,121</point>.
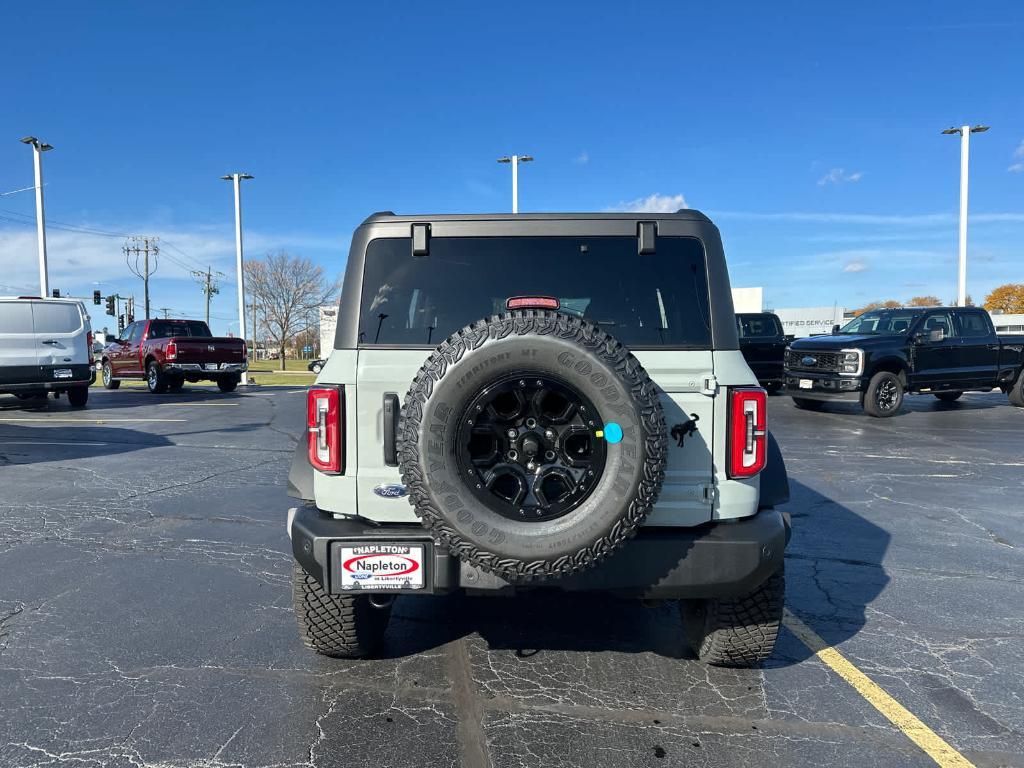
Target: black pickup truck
<point>877,357</point>
<point>763,344</point>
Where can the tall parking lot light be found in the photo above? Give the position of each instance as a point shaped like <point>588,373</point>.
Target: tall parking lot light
<point>38,147</point>
<point>965,132</point>
<point>515,160</point>
<point>237,179</point>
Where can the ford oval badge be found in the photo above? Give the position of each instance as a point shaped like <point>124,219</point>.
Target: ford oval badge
<point>390,491</point>
<point>809,360</point>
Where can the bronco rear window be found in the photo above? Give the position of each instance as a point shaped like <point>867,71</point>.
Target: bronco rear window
<point>651,300</point>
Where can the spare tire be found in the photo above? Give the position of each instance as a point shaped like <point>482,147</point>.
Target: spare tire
<point>532,444</point>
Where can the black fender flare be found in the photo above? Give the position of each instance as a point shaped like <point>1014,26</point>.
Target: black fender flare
<point>774,480</point>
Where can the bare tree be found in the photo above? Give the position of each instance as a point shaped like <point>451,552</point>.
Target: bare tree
<point>288,290</point>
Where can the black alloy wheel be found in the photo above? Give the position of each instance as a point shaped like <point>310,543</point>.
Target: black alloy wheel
<point>531,448</point>
<point>887,395</point>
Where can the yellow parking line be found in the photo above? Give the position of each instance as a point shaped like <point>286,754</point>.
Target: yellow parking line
<point>91,421</point>
<point>934,745</point>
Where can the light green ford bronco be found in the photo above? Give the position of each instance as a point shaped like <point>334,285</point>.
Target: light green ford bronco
<point>548,400</point>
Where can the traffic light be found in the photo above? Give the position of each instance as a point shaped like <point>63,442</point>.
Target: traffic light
<point>96,298</point>
<point>110,306</point>
<point>56,293</point>
<point>120,324</point>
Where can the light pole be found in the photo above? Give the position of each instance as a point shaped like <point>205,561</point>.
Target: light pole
<point>237,179</point>
<point>515,160</point>
<point>965,132</point>
<point>38,147</point>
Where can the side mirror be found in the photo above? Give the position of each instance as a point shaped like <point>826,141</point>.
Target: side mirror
<point>835,329</point>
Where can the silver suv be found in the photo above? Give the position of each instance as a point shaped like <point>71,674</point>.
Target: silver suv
<point>549,400</point>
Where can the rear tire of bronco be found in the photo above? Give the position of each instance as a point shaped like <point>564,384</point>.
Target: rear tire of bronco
<point>737,631</point>
<point>948,397</point>
<point>227,383</point>
<point>109,382</point>
<point>78,396</point>
<point>884,395</point>
<point>1016,393</point>
<point>156,381</point>
<point>509,444</point>
<point>806,404</point>
<point>342,626</point>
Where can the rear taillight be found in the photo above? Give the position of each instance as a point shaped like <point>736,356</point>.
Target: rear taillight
<point>89,342</point>
<point>748,431</point>
<point>324,427</point>
<point>171,352</point>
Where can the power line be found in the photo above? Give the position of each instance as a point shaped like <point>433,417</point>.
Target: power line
<point>208,285</point>
<point>143,272</point>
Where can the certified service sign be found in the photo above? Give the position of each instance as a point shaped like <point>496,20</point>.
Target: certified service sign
<point>382,567</point>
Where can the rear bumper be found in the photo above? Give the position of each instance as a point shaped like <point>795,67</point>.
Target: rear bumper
<point>43,378</point>
<point>714,560</point>
<point>825,386</point>
<point>201,368</point>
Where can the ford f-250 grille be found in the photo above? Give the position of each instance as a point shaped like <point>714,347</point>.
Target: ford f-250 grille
<point>805,360</point>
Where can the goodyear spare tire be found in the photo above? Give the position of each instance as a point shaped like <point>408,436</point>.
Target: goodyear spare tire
<point>532,444</point>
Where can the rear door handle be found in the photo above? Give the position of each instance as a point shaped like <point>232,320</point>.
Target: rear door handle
<point>51,341</point>
<point>391,412</point>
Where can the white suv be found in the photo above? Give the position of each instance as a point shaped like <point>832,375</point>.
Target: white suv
<point>45,346</point>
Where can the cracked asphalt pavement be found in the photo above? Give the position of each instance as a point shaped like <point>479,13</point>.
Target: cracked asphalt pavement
<point>145,609</point>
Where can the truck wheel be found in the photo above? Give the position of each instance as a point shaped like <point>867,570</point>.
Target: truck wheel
<point>948,397</point>
<point>227,383</point>
<point>156,381</point>
<point>806,404</point>
<point>737,631</point>
<point>884,395</point>
<point>532,444</point>
<point>78,396</point>
<point>1016,393</point>
<point>109,382</point>
<point>344,626</point>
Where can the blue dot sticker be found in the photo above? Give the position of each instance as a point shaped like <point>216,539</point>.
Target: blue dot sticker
<point>612,432</point>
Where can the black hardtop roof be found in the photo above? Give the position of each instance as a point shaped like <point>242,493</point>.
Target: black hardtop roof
<point>684,214</point>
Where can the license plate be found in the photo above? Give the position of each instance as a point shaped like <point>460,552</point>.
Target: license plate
<point>382,567</point>
<point>62,373</point>
<point>806,384</point>
<point>211,366</point>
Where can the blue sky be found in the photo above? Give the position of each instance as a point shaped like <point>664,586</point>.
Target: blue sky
<point>808,131</point>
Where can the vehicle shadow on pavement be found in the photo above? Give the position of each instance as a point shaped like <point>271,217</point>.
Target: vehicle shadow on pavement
<point>920,404</point>
<point>833,568</point>
<point>833,572</point>
<point>20,446</point>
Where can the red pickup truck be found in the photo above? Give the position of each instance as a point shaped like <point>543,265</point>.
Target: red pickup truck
<point>167,353</point>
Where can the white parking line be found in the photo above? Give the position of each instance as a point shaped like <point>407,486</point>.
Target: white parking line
<point>90,421</point>
<point>47,442</point>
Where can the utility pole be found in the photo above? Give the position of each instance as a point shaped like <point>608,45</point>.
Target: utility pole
<point>965,132</point>
<point>166,311</point>
<point>515,160</point>
<point>144,247</point>
<point>38,147</point>
<point>237,178</point>
<point>208,285</point>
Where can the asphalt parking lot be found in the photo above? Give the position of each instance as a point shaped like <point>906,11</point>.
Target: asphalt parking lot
<point>145,610</point>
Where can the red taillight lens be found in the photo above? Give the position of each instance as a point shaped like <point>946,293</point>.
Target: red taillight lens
<point>88,342</point>
<point>748,431</point>
<point>172,351</point>
<point>324,425</point>
<point>532,302</point>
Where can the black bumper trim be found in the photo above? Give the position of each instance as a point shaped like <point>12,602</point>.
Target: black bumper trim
<point>713,560</point>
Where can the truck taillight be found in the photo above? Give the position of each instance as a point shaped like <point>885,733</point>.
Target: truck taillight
<point>88,343</point>
<point>748,431</point>
<point>171,351</point>
<point>324,426</point>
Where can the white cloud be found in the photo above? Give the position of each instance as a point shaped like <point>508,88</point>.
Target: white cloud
<point>656,203</point>
<point>1018,154</point>
<point>870,219</point>
<point>856,265</point>
<point>582,158</point>
<point>840,176</point>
